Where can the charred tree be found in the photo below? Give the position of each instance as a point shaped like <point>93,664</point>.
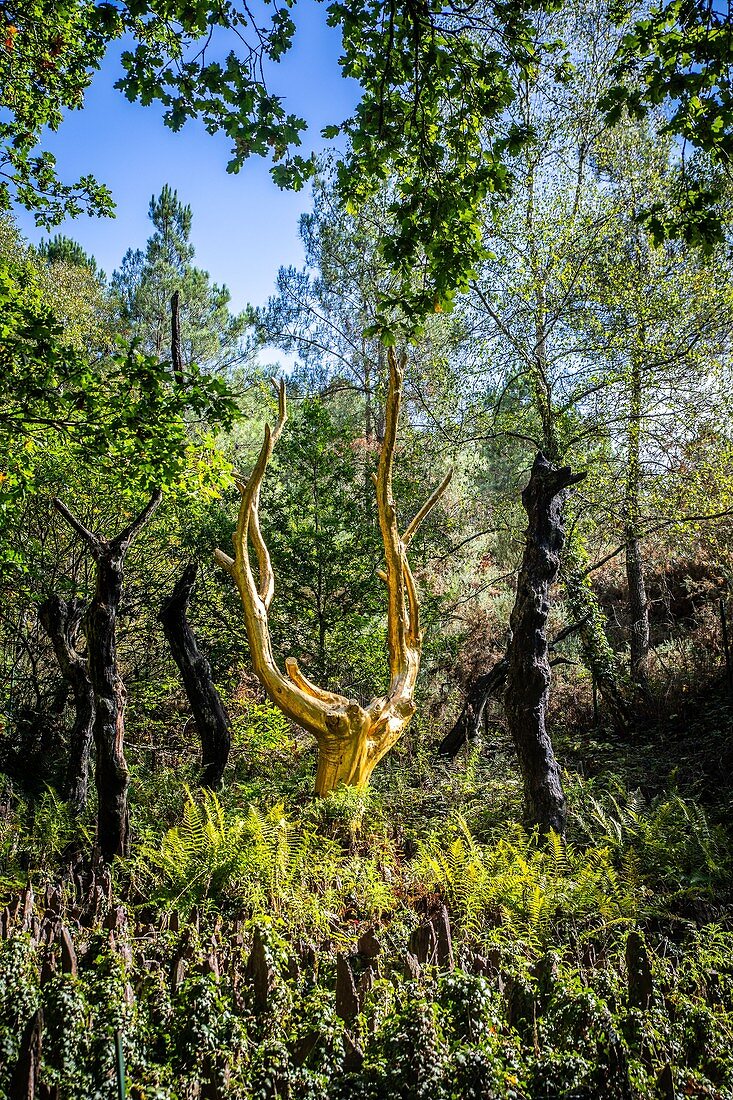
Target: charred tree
<point>212,720</point>
<point>62,620</point>
<point>176,353</point>
<point>480,692</point>
<point>468,723</point>
<point>100,622</point>
<point>528,674</point>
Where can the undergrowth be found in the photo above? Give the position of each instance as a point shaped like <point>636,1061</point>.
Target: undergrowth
<point>536,1004</point>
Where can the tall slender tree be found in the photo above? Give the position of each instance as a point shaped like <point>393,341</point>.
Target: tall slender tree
<point>146,281</point>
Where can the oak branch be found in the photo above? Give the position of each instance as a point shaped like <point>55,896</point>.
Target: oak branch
<point>351,738</point>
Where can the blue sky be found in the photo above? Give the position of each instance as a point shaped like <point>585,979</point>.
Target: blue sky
<point>244,227</point>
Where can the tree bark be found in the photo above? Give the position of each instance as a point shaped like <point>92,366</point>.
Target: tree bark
<point>638,610</point>
<point>112,776</point>
<point>638,603</point>
<point>468,723</point>
<point>212,720</point>
<point>62,621</point>
<point>24,1082</point>
<point>528,675</point>
<point>100,627</point>
<point>176,354</point>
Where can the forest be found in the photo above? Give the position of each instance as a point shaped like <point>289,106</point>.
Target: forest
<point>366,656</point>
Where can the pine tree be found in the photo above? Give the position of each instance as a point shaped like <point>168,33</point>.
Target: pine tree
<point>146,281</point>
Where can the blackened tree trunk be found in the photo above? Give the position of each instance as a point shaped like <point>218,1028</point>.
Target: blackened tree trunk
<point>528,675</point>
<point>62,621</point>
<point>484,688</point>
<point>100,627</point>
<point>112,776</point>
<point>468,723</point>
<point>212,719</point>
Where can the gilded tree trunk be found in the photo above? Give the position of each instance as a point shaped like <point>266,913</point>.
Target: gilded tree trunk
<point>62,621</point>
<point>351,739</point>
<point>351,749</point>
<point>212,720</point>
<point>528,675</point>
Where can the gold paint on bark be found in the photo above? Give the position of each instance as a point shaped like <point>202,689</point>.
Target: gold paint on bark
<point>351,739</point>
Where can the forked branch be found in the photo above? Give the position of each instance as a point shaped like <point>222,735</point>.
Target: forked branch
<point>351,739</point>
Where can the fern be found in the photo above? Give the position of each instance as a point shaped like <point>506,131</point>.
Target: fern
<point>264,862</point>
<point>670,843</point>
<point>529,888</point>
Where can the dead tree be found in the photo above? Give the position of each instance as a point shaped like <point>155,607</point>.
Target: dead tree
<point>62,620</point>
<point>212,720</point>
<point>100,621</point>
<point>484,688</point>
<point>176,354</point>
<point>468,724</point>
<point>528,674</point>
<point>25,1078</point>
<point>351,738</point>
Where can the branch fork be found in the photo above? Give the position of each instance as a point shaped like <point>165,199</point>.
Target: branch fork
<point>351,738</point>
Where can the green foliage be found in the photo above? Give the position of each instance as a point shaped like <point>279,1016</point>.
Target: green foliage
<point>143,287</point>
<point>433,92</point>
<point>261,861</point>
<point>33,835</point>
<point>670,842</point>
<point>62,249</point>
<point>455,1036</point>
<point>48,54</point>
<point>680,54</point>
<point>123,415</point>
<point>524,889</point>
<point>432,116</point>
<point>19,999</point>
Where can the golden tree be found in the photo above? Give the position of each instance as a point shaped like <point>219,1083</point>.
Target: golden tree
<point>351,738</point>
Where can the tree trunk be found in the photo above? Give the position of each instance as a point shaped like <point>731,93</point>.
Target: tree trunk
<point>639,611</point>
<point>528,675</point>
<point>212,720</point>
<point>598,654</point>
<point>100,624</point>
<point>351,738</point>
<point>112,776</point>
<point>638,603</point>
<point>468,723</point>
<point>61,620</point>
<point>345,758</point>
<point>24,1081</point>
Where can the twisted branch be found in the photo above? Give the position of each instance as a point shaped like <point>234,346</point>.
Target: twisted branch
<point>351,739</point>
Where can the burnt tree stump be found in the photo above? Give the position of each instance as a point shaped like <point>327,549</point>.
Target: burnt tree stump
<point>24,1083</point>
<point>638,971</point>
<point>100,627</point>
<point>468,724</point>
<point>212,720</point>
